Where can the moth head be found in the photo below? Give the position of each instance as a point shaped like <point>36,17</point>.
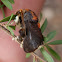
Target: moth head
<point>18,17</point>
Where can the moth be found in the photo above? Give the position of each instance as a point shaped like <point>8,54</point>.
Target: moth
<point>29,31</point>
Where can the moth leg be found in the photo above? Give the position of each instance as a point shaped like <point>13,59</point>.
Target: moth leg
<point>21,36</point>
<point>15,38</point>
<point>20,40</point>
<point>22,33</point>
<point>21,45</point>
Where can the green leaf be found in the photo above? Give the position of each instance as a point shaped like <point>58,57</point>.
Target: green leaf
<point>7,4</point>
<point>40,16</point>
<point>10,30</point>
<point>43,27</point>
<point>7,18</point>
<point>33,59</point>
<point>10,19</point>
<point>53,52</point>
<point>56,42</point>
<point>40,61</point>
<point>28,55</point>
<point>45,39</point>
<point>3,12</point>
<point>11,1</point>
<point>46,55</point>
<point>50,36</point>
<point>13,27</point>
<point>1,6</point>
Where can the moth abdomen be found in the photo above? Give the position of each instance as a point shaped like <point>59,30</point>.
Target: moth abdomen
<point>33,39</point>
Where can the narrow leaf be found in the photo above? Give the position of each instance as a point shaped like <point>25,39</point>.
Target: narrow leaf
<point>1,6</point>
<point>46,55</point>
<point>13,27</point>
<point>40,16</point>
<point>33,59</point>
<point>56,42</point>
<point>28,55</point>
<point>53,52</point>
<point>10,19</point>
<point>50,36</point>
<point>40,61</point>
<point>7,4</point>
<point>11,1</point>
<point>3,12</point>
<point>43,27</point>
<point>45,39</point>
<point>7,18</point>
<point>10,30</point>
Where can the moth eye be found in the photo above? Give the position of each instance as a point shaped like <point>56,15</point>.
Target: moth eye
<point>20,19</point>
<point>18,12</point>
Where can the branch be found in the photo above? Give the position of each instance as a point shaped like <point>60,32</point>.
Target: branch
<point>8,32</point>
<point>34,54</point>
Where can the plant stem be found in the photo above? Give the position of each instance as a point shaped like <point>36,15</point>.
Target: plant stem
<point>9,20</point>
<point>3,12</point>
<point>34,54</point>
<point>6,30</point>
<point>9,33</point>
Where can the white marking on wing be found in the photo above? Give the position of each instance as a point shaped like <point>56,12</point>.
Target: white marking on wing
<point>16,19</point>
<point>30,36</point>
